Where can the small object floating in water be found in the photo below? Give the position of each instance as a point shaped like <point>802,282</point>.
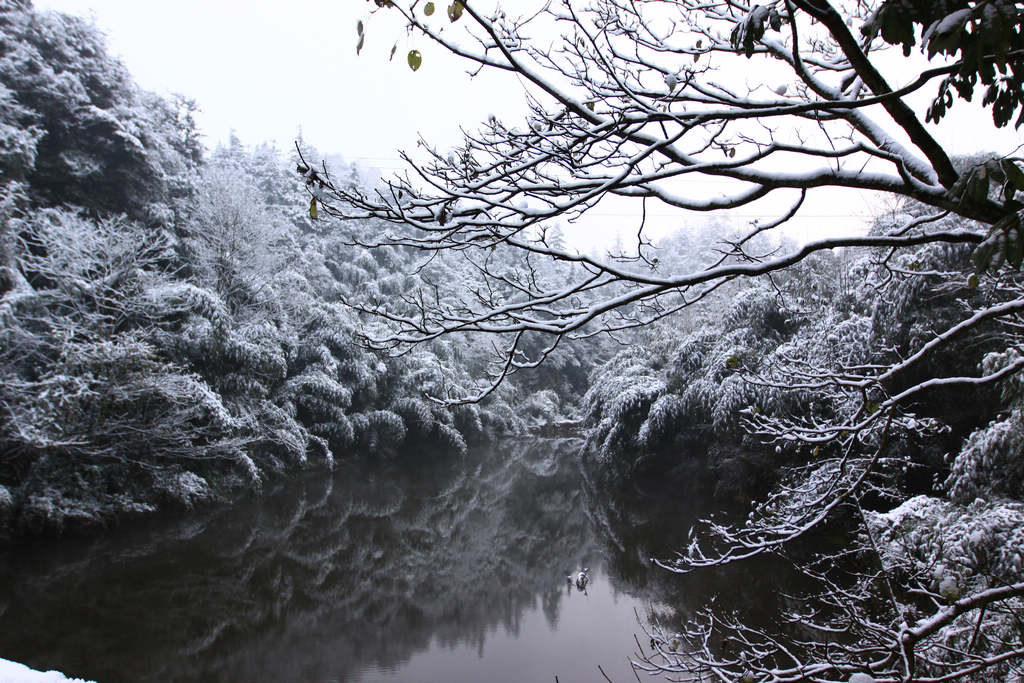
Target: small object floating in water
<point>582,579</point>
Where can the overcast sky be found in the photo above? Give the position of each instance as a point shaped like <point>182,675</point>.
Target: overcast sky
<point>267,69</point>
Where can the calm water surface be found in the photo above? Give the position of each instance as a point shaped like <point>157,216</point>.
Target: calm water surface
<point>453,572</point>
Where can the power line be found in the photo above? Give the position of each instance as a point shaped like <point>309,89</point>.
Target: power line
<point>726,212</point>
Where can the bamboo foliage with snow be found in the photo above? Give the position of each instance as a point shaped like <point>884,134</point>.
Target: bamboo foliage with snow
<point>652,103</point>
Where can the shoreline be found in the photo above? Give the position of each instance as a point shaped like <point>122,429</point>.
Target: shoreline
<point>13,672</point>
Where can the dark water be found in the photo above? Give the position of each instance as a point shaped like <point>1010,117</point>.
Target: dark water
<point>454,572</point>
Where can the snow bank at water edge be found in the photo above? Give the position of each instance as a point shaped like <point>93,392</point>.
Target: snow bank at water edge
<point>12,672</point>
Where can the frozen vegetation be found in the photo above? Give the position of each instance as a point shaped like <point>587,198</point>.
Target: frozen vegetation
<point>180,325</point>
<point>823,385</point>
<point>173,323</point>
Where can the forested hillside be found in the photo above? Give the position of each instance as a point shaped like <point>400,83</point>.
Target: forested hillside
<point>181,325</point>
<point>172,322</point>
<point>728,379</point>
<point>859,394</point>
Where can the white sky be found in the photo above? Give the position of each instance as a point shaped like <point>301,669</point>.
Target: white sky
<point>267,69</point>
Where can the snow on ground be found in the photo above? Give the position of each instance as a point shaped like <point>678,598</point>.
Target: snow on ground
<point>12,672</point>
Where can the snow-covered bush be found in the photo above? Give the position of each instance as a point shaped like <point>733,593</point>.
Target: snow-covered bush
<point>203,334</point>
<point>974,546</point>
<point>955,554</point>
<point>379,432</point>
<point>109,146</point>
<point>186,488</point>
<point>991,462</point>
<point>662,421</point>
<point>618,402</point>
<point>541,407</point>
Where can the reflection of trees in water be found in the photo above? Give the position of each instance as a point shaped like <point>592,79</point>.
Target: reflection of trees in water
<point>637,526</point>
<point>327,576</point>
<point>321,578</point>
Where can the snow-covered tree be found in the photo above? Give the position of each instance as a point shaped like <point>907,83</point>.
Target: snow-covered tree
<point>172,328</point>
<point>231,236</point>
<point>96,421</point>
<point>633,101</point>
<point>640,102</point>
<point>76,125</point>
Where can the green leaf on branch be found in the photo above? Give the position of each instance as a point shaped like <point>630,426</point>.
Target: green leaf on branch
<point>749,30</point>
<point>977,188</point>
<point>455,11</point>
<point>312,208</point>
<point>428,9</point>
<point>1013,173</point>
<point>362,36</point>
<point>415,59</point>
<point>1004,244</point>
<point>1014,248</point>
<point>972,187</point>
<point>946,34</point>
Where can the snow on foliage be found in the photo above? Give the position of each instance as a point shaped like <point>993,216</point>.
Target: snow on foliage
<point>662,419</point>
<point>430,424</point>
<point>174,298</point>
<point>109,146</point>
<point>977,545</point>
<point>380,432</point>
<point>317,388</point>
<point>990,462</point>
<point>187,488</point>
<point>953,553</point>
<point>137,351</point>
<point>541,407</point>
<point>17,141</point>
<point>162,314</point>
<point>621,383</point>
<point>619,401</point>
<point>758,309</point>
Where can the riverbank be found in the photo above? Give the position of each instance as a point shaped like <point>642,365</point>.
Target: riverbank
<point>12,672</point>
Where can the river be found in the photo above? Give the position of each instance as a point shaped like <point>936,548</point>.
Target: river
<point>442,572</point>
